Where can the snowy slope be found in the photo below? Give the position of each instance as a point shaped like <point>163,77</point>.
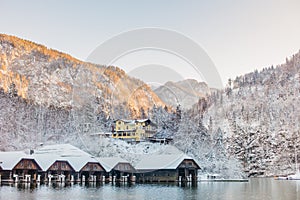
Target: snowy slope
<point>259,115</point>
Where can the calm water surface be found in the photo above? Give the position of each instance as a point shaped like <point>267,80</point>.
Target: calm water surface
<point>254,189</point>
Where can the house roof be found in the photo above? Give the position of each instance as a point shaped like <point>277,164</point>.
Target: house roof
<point>47,155</point>
<point>126,121</point>
<point>156,162</point>
<point>110,163</point>
<point>9,160</point>
<point>133,121</point>
<point>142,120</point>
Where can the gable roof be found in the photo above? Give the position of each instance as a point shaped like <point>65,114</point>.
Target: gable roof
<point>110,163</point>
<point>45,161</point>
<point>10,159</point>
<point>156,162</point>
<point>47,155</point>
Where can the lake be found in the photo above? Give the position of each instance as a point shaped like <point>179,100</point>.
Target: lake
<point>256,188</point>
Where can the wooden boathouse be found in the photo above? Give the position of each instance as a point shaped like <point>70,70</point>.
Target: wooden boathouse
<point>18,167</point>
<point>167,168</point>
<point>64,161</point>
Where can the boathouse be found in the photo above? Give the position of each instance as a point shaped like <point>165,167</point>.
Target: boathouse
<point>93,170</point>
<point>54,168</point>
<point>167,168</point>
<point>64,162</point>
<point>18,166</point>
<point>118,169</point>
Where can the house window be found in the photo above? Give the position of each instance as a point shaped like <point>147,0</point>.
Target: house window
<point>63,165</point>
<point>119,122</point>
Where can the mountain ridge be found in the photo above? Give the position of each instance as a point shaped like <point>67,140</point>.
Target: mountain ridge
<point>50,77</point>
<point>186,92</point>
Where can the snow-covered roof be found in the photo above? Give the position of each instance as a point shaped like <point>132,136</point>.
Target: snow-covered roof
<point>79,162</point>
<point>45,160</point>
<point>45,156</point>
<point>64,150</point>
<point>128,121</point>
<point>156,162</point>
<point>9,160</point>
<point>133,121</point>
<point>110,162</point>
<point>142,120</point>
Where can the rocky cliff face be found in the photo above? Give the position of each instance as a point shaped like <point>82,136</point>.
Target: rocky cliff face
<point>51,78</point>
<point>186,92</point>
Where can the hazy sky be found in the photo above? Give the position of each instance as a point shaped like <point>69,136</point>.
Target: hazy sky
<point>239,36</point>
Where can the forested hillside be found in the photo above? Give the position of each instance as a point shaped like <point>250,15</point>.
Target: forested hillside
<point>258,114</point>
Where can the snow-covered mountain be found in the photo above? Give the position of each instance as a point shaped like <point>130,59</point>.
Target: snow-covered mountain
<point>186,92</point>
<point>48,96</point>
<point>51,78</point>
<point>258,114</point>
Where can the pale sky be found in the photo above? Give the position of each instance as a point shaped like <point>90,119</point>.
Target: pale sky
<point>238,36</point>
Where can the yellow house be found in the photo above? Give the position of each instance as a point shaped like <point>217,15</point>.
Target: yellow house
<point>133,130</point>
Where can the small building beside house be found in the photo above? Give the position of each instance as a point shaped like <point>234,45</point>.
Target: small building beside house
<point>133,130</point>
<point>101,135</point>
<point>167,168</point>
<point>162,137</point>
<point>118,169</point>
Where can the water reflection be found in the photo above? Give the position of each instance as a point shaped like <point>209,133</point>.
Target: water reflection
<point>254,189</point>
